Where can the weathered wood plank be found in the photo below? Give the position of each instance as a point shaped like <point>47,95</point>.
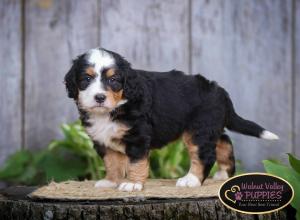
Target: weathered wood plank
<point>297,78</point>
<point>10,77</point>
<point>246,47</point>
<point>150,34</point>
<point>56,31</point>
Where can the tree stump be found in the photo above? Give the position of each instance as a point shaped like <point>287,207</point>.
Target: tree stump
<point>15,204</point>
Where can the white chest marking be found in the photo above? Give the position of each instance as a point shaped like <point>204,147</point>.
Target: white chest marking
<point>107,132</point>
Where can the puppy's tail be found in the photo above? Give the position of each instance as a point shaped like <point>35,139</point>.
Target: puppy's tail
<point>243,126</point>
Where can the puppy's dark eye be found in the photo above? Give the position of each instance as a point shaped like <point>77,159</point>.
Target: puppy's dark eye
<point>87,78</point>
<point>114,82</point>
<point>111,80</point>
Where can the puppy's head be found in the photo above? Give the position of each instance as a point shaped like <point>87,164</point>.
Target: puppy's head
<point>96,80</point>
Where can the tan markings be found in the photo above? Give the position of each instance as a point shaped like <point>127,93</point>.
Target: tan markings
<point>117,145</point>
<point>138,171</point>
<point>90,71</point>
<point>223,152</point>
<point>115,165</point>
<point>225,167</point>
<point>118,95</point>
<point>114,97</point>
<point>196,166</point>
<point>110,72</point>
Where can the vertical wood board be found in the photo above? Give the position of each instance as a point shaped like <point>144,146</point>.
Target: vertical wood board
<point>56,31</point>
<point>10,77</point>
<point>150,34</point>
<point>246,48</point>
<point>297,78</point>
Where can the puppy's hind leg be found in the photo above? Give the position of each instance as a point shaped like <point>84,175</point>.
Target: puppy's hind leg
<point>202,154</point>
<point>225,158</point>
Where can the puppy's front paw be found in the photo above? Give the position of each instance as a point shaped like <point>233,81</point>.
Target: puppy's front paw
<point>221,175</point>
<point>189,180</point>
<point>130,186</point>
<point>105,184</point>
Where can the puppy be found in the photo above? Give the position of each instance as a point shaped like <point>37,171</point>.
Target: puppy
<point>127,112</point>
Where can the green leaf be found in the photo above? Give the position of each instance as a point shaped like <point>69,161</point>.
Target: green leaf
<point>170,162</point>
<point>61,167</point>
<point>28,176</point>
<point>295,163</point>
<point>289,175</point>
<point>72,157</point>
<point>15,164</point>
<point>213,170</point>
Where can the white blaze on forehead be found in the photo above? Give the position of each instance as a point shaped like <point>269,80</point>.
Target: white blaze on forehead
<point>100,59</point>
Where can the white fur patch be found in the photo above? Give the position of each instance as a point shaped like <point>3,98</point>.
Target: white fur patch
<point>105,184</point>
<point>87,97</point>
<point>100,59</point>
<point>221,175</point>
<point>129,186</point>
<point>268,135</point>
<point>122,102</point>
<point>189,180</point>
<point>107,132</point>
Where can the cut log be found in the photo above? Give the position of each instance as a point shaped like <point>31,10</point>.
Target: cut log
<point>15,204</point>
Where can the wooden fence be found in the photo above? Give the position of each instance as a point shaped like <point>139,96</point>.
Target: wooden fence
<point>250,47</point>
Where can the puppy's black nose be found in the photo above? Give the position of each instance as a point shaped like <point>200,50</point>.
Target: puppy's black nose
<point>100,98</point>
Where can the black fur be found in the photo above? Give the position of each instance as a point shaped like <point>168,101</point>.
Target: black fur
<point>72,77</point>
<point>100,148</point>
<point>163,105</point>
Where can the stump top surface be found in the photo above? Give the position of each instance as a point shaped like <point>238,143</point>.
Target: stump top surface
<point>161,189</point>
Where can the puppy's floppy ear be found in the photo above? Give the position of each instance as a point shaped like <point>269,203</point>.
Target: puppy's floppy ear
<point>70,81</point>
<point>132,85</point>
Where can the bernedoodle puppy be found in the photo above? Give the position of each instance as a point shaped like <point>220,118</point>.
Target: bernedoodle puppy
<point>127,112</point>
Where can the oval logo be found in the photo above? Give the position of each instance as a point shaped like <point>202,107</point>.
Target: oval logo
<point>256,193</point>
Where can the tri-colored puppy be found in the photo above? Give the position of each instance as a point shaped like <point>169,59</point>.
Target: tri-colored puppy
<point>127,112</point>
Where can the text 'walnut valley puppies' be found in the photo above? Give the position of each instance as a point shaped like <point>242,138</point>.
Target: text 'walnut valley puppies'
<point>128,112</point>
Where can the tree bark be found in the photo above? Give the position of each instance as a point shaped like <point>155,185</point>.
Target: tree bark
<point>14,204</point>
